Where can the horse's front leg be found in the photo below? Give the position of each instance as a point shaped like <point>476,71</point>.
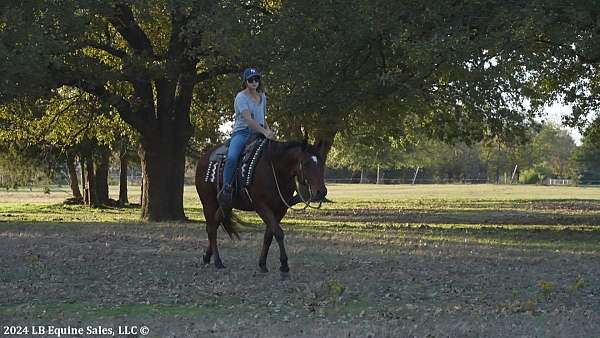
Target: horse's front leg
<point>273,229</point>
<point>279,236</point>
<point>262,261</point>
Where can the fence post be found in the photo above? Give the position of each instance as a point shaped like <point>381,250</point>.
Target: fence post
<point>512,179</point>
<point>415,177</point>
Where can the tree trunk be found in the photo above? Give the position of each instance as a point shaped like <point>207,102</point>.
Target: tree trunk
<point>123,175</point>
<point>363,176</point>
<point>326,138</point>
<point>73,177</point>
<point>497,174</point>
<point>163,169</point>
<point>91,182</point>
<point>142,188</point>
<point>84,183</point>
<point>101,175</point>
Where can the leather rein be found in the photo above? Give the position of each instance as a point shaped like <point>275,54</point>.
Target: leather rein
<point>307,204</point>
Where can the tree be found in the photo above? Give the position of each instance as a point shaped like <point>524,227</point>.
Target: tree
<point>560,57</point>
<point>143,58</point>
<point>26,167</point>
<point>432,69</point>
<point>554,147</point>
<point>587,161</point>
<point>72,124</point>
<point>347,152</point>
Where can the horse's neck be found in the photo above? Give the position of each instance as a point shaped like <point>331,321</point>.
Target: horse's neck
<point>285,166</point>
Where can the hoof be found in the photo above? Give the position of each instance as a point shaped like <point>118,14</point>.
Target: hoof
<point>263,268</point>
<point>205,259</point>
<point>284,268</point>
<point>219,265</point>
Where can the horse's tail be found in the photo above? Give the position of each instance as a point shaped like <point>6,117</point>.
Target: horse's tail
<point>230,222</point>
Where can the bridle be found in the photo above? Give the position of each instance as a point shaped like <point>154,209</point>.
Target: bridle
<point>307,204</point>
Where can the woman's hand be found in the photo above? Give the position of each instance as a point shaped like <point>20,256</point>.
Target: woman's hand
<point>269,134</point>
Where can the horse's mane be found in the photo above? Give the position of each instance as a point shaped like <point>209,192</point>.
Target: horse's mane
<point>276,149</point>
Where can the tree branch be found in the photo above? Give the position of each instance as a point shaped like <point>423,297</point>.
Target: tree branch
<point>124,22</point>
<point>226,69</point>
<point>62,111</point>
<point>106,48</point>
<point>86,127</point>
<point>123,106</point>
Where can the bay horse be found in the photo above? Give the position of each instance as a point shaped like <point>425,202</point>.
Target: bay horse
<point>269,194</point>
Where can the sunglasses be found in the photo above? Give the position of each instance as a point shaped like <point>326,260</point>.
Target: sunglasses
<point>253,79</point>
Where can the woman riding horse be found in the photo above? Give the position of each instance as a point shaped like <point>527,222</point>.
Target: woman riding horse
<point>277,173</point>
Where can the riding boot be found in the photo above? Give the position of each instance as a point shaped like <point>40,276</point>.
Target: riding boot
<point>225,197</point>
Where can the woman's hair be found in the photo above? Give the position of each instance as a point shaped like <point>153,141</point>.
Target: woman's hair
<point>259,89</point>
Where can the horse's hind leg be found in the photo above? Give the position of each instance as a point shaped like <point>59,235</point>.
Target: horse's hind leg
<point>208,252</point>
<point>212,238</point>
<point>211,229</point>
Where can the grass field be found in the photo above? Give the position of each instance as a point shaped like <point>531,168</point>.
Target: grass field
<point>437,260</point>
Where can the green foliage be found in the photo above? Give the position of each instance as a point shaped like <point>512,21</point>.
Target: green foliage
<point>587,159</point>
<point>547,154</point>
<point>358,151</point>
<point>396,64</point>
<point>553,148</point>
<point>559,54</point>
<point>543,172</point>
<point>535,175</point>
<point>26,168</point>
<point>529,176</point>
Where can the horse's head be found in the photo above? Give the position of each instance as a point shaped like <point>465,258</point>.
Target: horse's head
<point>311,171</point>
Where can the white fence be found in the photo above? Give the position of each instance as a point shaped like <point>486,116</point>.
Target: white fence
<point>559,181</point>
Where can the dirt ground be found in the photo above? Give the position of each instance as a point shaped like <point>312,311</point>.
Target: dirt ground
<point>345,283</point>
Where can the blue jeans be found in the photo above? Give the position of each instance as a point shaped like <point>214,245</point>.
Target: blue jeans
<point>236,145</point>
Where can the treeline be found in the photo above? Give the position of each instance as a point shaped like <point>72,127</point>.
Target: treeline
<point>549,153</point>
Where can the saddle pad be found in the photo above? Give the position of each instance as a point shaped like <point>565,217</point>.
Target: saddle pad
<point>245,172</point>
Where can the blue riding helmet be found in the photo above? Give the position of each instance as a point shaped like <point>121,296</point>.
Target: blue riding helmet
<point>248,73</point>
